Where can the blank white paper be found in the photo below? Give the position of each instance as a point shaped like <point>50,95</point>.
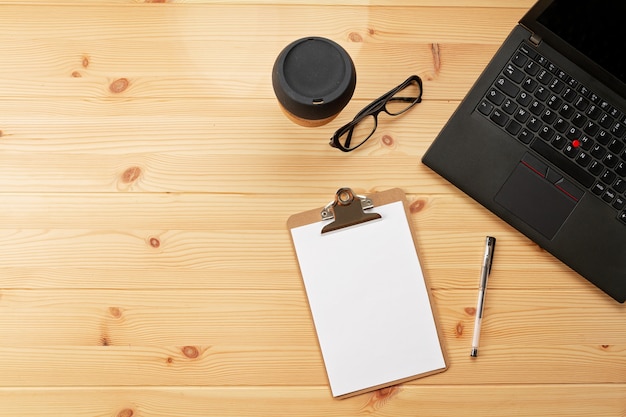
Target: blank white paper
<point>369,301</point>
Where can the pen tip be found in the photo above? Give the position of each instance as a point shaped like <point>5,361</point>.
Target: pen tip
<point>474,353</point>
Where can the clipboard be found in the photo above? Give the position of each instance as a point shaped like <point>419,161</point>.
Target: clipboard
<point>366,291</point>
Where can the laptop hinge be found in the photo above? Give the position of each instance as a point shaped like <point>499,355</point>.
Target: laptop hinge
<point>535,39</point>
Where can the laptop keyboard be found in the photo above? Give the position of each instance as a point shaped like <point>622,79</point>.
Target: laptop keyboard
<point>563,121</point>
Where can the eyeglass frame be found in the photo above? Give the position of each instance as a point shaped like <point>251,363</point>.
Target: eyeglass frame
<point>373,109</point>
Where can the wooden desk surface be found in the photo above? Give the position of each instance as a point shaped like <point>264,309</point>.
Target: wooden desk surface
<point>146,176</point>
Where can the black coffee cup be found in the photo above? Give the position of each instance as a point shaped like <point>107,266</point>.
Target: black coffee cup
<point>313,79</point>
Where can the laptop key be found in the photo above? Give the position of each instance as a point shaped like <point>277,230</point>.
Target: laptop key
<point>520,60</point>
<point>524,98</point>
<point>608,177</point>
<point>599,188</point>
<point>570,95</point>
<point>561,125</point>
<point>525,136</point>
<point>507,86</point>
<point>595,168</point>
<point>532,67</point>
<point>509,106</point>
<point>579,120</point>
<point>559,142</point>
<point>609,195</point>
<point>562,162</point>
<point>496,97</point>
<point>591,128</point>
<point>514,74</point>
<point>603,137</point>
<point>594,112</point>
<point>546,133</point>
<point>544,76</point>
<point>534,124</point>
<point>581,103</point>
<point>536,108</point>
<point>542,93</point>
<point>485,108</point>
<point>620,185</point>
<point>583,159</point>
<point>570,150</point>
<point>606,121</point>
<point>598,152</point>
<point>618,129</point>
<point>610,160</point>
<point>500,118</point>
<point>513,127</point>
<point>521,115</point>
<point>567,110</point>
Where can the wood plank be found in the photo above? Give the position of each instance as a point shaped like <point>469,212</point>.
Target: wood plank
<point>205,173</point>
<point>526,400</point>
<point>202,155</point>
<point>116,56</point>
<point>126,241</point>
<point>68,241</point>
<point>194,337</point>
<point>278,318</point>
<point>66,128</point>
<point>384,24</point>
<point>189,364</point>
<point>64,69</point>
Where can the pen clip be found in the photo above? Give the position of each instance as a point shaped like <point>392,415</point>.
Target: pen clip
<point>490,246</point>
<point>347,209</point>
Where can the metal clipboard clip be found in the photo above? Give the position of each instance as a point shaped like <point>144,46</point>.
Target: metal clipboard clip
<point>347,209</point>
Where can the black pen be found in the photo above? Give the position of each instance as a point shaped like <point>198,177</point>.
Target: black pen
<point>490,245</point>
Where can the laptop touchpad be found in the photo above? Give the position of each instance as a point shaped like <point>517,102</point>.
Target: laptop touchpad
<point>538,196</point>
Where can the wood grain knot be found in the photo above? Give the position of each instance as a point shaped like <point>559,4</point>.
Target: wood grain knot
<point>387,140</point>
<point>379,398</point>
<point>458,330</point>
<point>76,74</point>
<point>154,242</point>
<point>169,360</point>
<point>119,85</point>
<point>417,206</point>
<point>104,341</point>
<point>115,312</point>
<point>131,175</point>
<point>1,133</point>
<point>355,37</point>
<point>191,352</point>
<point>85,62</point>
<point>436,52</point>
<point>386,393</point>
<point>371,31</point>
<point>470,311</point>
<point>606,347</point>
<point>127,412</point>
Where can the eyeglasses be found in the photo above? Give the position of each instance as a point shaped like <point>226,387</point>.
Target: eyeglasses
<point>362,127</point>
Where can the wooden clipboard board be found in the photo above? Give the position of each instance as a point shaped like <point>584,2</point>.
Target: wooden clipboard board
<point>368,298</point>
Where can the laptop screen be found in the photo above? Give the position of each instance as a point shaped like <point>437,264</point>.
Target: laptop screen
<point>596,28</point>
<point>590,33</point>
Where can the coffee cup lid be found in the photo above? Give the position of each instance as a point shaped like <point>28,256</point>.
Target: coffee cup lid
<point>314,78</point>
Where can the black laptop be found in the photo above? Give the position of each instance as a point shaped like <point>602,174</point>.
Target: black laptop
<point>540,139</point>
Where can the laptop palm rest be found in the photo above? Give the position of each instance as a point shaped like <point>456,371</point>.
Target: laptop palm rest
<point>538,196</point>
